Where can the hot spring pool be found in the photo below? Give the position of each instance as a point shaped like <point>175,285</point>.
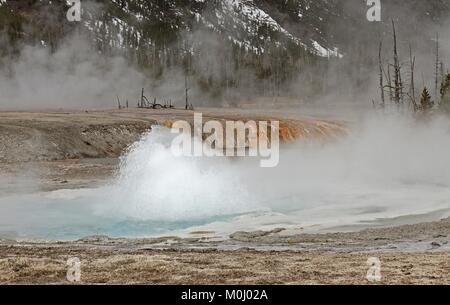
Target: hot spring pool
<point>383,171</point>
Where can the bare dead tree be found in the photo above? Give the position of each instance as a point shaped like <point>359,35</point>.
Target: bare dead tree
<point>186,88</point>
<point>381,74</point>
<point>142,99</point>
<point>155,104</point>
<point>118,102</point>
<point>389,77</point>
<point>436,80</point>
<point>397,72</point>
<point>186,75</point>
<point>145,103</point>
<point>400,84</point>
<point>412,89</point>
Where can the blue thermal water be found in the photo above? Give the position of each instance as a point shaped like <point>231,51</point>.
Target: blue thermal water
<point>388,169</point>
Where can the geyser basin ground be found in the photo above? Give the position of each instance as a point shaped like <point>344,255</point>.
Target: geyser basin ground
<point>388,171</point>
<point>389,176</point>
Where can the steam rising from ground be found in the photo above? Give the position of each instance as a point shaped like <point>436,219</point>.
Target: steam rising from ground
<point>385,153</point>
<point>74,76</point>
<point>388,166</point>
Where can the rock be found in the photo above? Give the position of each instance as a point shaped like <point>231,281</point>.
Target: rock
<point>435,244</point>
<point>248,236</point>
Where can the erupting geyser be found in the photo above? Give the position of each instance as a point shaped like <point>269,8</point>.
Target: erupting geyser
<point>385,168</point>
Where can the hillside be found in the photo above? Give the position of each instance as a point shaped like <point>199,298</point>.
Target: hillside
<point>262,47</point>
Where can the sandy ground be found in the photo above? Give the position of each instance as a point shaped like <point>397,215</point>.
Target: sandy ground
<point>79,149</point>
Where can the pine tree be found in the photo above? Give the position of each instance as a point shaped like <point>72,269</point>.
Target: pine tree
<point>426,104</point>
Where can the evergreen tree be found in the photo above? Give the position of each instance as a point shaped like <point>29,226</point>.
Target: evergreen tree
<point>426,104</point>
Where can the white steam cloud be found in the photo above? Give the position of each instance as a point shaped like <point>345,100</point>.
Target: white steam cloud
<point>75,76</point>
<point>388,166</point>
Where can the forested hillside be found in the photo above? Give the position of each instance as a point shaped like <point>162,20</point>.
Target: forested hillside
<point>262,47</point>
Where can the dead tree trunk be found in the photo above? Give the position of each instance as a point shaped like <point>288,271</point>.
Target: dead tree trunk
<point>186,75</point>
<point>391,94</point>
<point>400,85</point>
<point>413,86</point>
<point>186,91</point>
<point>118,103</point>
<point>381,74</point>
<point>436,82</point>
<point>397,76</point>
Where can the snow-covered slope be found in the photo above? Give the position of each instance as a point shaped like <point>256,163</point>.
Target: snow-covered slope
<point>245,23</point>
<point>318,26</point>
<point>257,45</point>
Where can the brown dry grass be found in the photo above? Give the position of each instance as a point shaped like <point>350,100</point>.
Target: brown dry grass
<point>217,267</point>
